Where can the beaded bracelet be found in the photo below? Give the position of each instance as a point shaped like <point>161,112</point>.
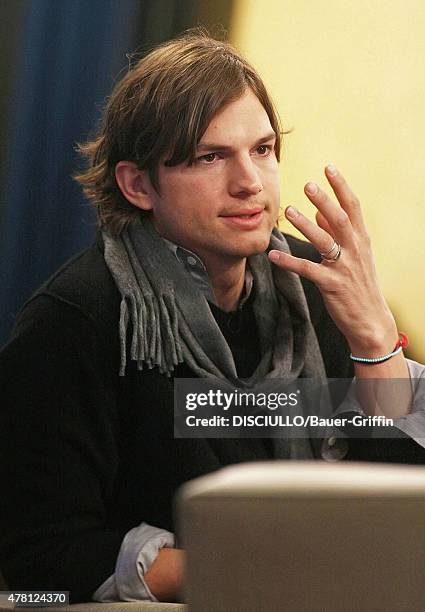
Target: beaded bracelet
<point>402,343</point>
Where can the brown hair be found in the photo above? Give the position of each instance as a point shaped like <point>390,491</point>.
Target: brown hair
<point>161,108</point>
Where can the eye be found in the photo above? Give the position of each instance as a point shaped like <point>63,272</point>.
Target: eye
<point>264,150</point>
<point>209,158</point>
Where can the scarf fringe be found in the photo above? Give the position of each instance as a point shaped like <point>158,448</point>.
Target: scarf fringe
<point>152,312</point>
<point>155,339</point>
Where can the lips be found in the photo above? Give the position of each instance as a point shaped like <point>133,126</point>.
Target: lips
<point>244,219</point>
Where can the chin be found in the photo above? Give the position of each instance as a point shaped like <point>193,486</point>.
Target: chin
<point>260,244</point>
<point>255,247</point>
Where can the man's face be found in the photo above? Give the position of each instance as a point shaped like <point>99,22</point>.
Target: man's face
<point>224,206</point>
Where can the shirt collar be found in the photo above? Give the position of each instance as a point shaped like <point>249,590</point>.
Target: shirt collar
<point>195,267</point>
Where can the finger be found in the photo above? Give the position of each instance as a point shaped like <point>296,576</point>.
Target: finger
<point>316,235</point>
<point>321,222</point>
<point>348,200</point>
<point>337,218</point>
<point>310,270</point>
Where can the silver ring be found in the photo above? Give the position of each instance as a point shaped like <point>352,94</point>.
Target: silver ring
<point>335,257</point>
<point>326,253</point>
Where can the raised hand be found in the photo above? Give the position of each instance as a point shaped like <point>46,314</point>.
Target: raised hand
<point>346,277</point>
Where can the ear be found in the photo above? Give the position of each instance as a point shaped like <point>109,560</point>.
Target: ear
<point>134,184</point>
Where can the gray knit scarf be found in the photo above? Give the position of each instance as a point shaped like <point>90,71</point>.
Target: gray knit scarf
<point>171,320</point>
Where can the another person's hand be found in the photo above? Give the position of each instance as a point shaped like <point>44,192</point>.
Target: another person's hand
<point>165,576</point>
<point>348,284</point>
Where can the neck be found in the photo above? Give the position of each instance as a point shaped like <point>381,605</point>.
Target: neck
<point>227,280</point>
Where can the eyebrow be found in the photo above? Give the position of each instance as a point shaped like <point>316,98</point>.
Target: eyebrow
<point>205,146</point>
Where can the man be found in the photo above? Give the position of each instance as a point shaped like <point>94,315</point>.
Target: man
<point>184,173</point>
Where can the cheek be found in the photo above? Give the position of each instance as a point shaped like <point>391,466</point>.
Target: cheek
<point>189,188</point>
<point>276,189</point>
<point>203,197</point>
<point>270,177</point>
<point>205,186</point>
<point>271,186</point>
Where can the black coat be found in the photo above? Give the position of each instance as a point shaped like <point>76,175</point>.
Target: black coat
<point>87,455</point>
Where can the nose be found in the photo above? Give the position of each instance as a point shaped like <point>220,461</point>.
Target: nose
<point>244,179</point>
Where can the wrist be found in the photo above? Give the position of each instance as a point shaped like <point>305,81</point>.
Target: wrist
<point>165,577</point>
<point>374,342</point>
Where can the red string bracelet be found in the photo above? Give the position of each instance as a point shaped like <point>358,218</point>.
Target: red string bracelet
<point>403,341</point>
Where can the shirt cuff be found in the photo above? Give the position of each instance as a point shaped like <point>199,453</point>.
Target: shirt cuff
<point>138,551</point>
<point>413,424</point>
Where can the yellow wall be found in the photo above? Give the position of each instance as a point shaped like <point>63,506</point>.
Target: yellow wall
<point>349,78</point>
